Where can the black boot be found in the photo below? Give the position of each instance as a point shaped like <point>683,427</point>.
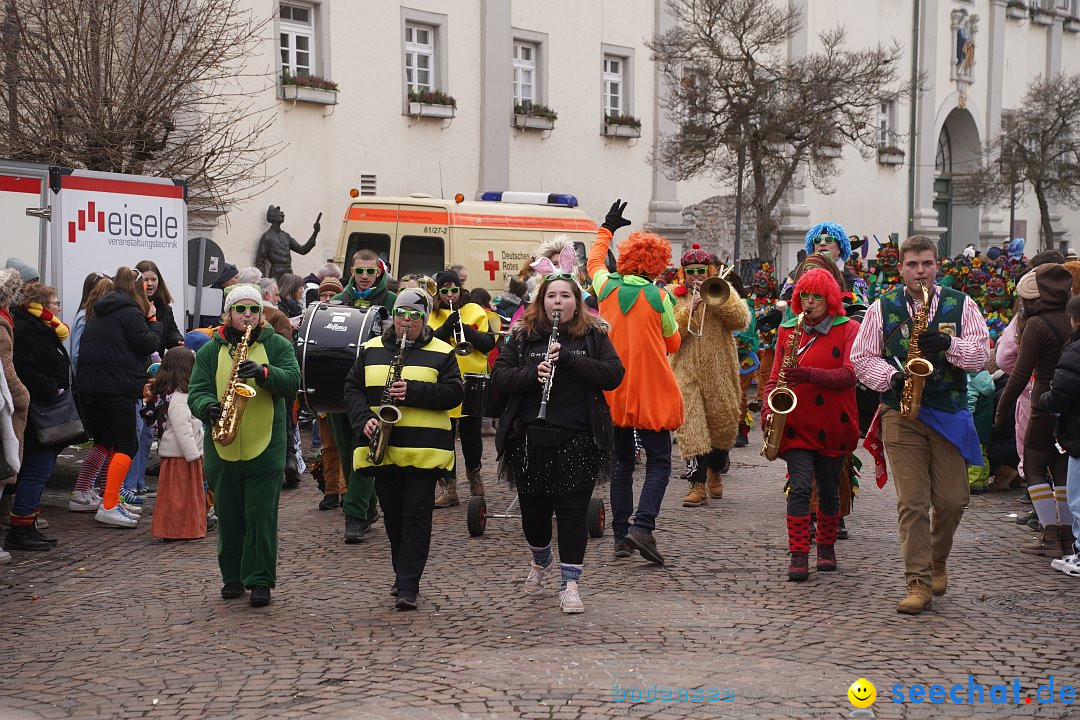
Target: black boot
<point>354,530</point>
<point>292,473</point>
<point>19,537</point>
<point>329,502</point>
<point>37,535</point>
<point>260,596</point>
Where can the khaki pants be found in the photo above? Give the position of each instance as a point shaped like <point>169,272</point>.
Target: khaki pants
<point>332,477</point>
<point>928,471</point>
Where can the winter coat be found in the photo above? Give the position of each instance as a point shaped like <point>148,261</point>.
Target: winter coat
<point>41,361</point>
<point>1063,397</point>
<point>116,346</point>
<point>20,397</point>
<point>707,369</point>
<point>183,435</point>
<point>170,333</point>
<point>601,367</point>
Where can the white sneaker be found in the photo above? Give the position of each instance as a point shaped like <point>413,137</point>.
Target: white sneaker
<point>569,600</point>
<point>117,517</point>
<point>94,494</point>
<point>5,556</point>
<point>130,509</point>
<point>534,584</point>
<point>1070,565</point>
<point>83,502</point>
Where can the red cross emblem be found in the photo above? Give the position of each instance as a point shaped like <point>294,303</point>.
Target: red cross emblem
<point>491,264</point>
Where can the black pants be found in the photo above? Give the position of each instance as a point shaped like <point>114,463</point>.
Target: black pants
<point>469,428</point>
<point>571,512</point>
<point>712,460</point>
<point>110,420</point>
<point>803,466</point>
<point>407,505</point>
<point>1045,465</point>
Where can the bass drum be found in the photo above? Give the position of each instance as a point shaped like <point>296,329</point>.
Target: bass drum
<point>329,342</point>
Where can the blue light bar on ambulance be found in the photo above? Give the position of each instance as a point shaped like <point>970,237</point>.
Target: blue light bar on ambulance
<point>531,198</point>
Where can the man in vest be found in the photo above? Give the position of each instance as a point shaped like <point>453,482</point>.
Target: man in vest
<point>420,447</point>
<point>930,453</point>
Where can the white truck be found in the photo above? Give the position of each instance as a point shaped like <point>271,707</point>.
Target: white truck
<point>68,223</point>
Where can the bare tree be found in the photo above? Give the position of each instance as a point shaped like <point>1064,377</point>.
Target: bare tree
<point>1038,149</point>
<point>152,87</point>
<point>744,108</point>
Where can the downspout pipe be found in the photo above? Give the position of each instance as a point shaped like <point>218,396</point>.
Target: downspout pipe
<point>912,131</point>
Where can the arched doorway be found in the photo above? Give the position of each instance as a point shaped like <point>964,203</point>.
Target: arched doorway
<point>957,154</point>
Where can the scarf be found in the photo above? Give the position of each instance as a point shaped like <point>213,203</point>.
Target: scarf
<point>49,319</point>
<point>4,314</point>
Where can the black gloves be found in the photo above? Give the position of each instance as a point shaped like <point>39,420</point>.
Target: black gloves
<point>444,331</point>
<point>250,369</point>
<point>896,382</point>
<point>614,218</point>
<point>934,341</point>
<point>213,411</point>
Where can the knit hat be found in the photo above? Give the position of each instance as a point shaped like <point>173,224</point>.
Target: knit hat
<point>415,299</point>
<point>695,256</point>
<point>228,273</point>
<point>1028,287</point>
<point>195,340</point>
<point>331,284</point>
<point>10,285</point>
<point>993,253</point>
<point>28,273</point>
<point>447,276</point>
<point>243,292</point>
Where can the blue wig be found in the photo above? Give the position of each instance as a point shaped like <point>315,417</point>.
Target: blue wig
<point>833,230</point>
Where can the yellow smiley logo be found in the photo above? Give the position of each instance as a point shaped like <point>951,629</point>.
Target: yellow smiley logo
<point>862,693</point>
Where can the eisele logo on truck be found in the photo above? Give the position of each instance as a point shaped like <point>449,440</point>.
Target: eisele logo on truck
<point>127,227</point>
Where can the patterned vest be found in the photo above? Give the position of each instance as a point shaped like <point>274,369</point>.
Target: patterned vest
<point>946,388</point>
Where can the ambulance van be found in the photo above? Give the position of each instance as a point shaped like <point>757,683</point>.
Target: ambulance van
<point>493,237</point>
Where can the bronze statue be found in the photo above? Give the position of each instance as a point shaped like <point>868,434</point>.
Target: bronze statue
<point>275,245</point>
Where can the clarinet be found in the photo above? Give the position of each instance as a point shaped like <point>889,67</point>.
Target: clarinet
<point>542,415</point>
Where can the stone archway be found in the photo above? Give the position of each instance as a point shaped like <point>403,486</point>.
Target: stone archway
<point>957,154</point>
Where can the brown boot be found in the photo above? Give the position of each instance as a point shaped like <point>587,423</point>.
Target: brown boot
<point>715,485</point>
<point>939,580</point>
<point>918,599</point>
<point>697,496</point>
<point>1067,541</point>
<point>476,482</point>
<point>1049,546</point>
<point>1002,479</point>
<point>446,494</point>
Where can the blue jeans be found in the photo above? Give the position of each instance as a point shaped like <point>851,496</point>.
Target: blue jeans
<point>135,481</point>
<point>37,467</point>
<point>316,436</point>
<point>657,445</point>
<point>1072,491</point>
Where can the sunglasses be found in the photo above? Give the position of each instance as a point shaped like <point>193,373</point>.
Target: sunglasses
<point>824,239</point>
<point>408,314</point>
<point>695,271</point>
<point>365,271</point>
<point>241,309</point>
<point>449,291</point>
<point>558,276</point>
<point>816,297</point>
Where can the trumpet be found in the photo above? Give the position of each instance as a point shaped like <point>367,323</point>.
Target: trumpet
<point>715,292</point>
<point>461,345</point>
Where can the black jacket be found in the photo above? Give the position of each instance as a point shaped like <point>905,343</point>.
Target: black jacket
<point>600,367</point>
<point>115,348</point>
<point>1063,397</point>
<point>41,361</point>
<point>170,334</point>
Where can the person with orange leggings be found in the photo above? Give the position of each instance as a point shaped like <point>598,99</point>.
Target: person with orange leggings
<point>121,333</point>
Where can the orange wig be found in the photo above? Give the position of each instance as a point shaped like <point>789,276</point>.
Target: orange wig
<point>822,283</point>
<point>645,254</point>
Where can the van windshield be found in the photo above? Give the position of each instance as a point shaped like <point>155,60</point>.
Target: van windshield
<point>420,255</point>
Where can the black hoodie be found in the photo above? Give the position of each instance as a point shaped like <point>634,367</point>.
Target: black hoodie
<point>115,347</point>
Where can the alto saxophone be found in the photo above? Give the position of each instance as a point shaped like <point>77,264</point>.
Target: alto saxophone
<point>388,414</point>
<point>917,367</point>
<point>782,400</point>
<point>235,397</point>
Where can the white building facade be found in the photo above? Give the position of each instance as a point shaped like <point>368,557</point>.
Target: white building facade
<point>587,61</point>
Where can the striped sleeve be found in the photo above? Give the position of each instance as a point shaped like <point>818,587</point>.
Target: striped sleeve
<point>970,351</point>
<point>872,369</point>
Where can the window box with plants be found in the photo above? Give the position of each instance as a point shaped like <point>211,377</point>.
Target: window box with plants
<point>309,88</point>
<point>890,155</point>
<point>1017,9</point>
<point>622,126</point>
<point>533,116</point>
<point>431,103</point>
<point>1041,15</point>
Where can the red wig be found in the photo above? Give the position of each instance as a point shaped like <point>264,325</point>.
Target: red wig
<point>822,283</point>
<point>644,253</point>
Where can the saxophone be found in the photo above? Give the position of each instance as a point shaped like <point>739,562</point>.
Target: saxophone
<point>235,397</point>
<point>782,400</point>
<point>917,367</point>
<point>387,413</point>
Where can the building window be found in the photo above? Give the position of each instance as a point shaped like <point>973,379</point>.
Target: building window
<point>525,73</point>
<point>420,57</point>
<point>614,86</point>
<point>886,125</point>
<point>296,28</point>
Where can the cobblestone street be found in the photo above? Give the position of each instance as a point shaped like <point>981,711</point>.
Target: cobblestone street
<point>117,624</point>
